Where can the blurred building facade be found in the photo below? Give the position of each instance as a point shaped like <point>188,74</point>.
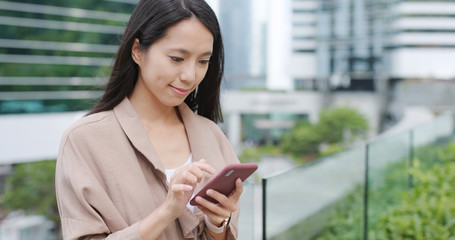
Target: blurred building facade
<point>353,44</point>
<point>243,30</point>
<point>54,54</point>
<point>347,52</point>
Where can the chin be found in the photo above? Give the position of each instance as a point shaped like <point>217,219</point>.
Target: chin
<point>175,103</point>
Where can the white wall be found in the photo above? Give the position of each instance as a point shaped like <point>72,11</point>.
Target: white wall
<point>419,23</point>
<point>423,63</point>
<point>424,38</point>
<point>279,40</point>
<point>429,7</point>
<point>304,65</point>
<point>308,102</point>
<point>32,137</point>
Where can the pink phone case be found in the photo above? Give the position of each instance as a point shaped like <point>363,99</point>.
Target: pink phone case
<point>224,182</point>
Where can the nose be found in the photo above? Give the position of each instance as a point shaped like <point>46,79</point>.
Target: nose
<point>188,72</point>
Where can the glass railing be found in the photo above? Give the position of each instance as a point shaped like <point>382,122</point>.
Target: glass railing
<point>345,196</point>
<point>390,182</point>
<point>386,155</point>
<point>249,207</point>
<point>300,201</point>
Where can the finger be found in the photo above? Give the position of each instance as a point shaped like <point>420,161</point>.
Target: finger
<point>212,217</point>
<point>200,165</point>
<point>193,174</point>
<point>183,177</point>
<point>213,208</point>
<point>238,189</point>
<point>228,203</point>
<point>206,211</point>
<point>189,175</point>
<point>181,187</point>
<point>204,166</point>
<point>197,172</point>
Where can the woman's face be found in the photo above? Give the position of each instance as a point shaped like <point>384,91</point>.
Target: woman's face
<point>173,66</point>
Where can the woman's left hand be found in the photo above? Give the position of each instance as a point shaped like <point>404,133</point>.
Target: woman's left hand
<point>218,212</point>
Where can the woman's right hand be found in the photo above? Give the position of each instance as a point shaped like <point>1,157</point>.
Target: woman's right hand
<point>181,189</point>
<point>182,185</point>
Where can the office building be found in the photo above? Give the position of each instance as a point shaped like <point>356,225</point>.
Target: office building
<point>354,44</point>
<point>243,29</point>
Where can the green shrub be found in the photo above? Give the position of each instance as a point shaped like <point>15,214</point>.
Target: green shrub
<point>331,149</point>
<point>303,139</point>
<point>427,210</point>
<point>254,154</point>
<point>396,210</point>
<point>342,125</point>
<point>346,221</point>
<point>31,188</point>
<point>338,128</point>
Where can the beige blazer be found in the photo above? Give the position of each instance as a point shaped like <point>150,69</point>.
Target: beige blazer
<point>109,177</point>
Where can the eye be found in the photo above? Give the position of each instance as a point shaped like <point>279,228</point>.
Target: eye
<point>204,62</point>
<point>176,59</point>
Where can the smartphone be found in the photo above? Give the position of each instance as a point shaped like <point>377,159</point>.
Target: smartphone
<point>224,181</point>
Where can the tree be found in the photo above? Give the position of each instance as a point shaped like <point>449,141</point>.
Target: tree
<point>303,139</point>
<point>31,188</point>
<point>342,125</point>
<point>337,128</point>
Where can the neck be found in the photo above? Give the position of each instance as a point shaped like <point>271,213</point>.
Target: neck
<point>150,111</point>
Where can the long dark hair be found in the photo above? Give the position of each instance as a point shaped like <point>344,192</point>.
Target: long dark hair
<point>148,23</point>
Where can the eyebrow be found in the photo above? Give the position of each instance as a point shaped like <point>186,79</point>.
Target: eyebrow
<point>184,51</point>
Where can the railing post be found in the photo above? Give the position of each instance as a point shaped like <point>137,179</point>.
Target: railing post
<point>264,209</point>
<point>411,156</point>
<point>365,195</point>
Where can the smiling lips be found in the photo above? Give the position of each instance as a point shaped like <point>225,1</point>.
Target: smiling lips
<point>179,91</point>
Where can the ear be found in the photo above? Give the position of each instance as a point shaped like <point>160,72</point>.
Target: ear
<point>136,52</point>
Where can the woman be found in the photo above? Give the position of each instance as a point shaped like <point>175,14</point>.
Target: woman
<point>128,169</point>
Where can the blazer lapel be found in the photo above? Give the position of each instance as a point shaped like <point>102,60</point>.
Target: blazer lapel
<point>203,143</point>
<point>201,139</point>
<point>136,133</point>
